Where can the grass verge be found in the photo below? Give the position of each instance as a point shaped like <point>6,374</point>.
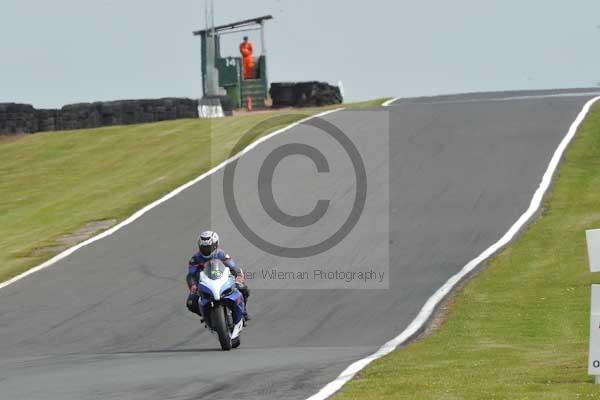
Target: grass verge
<point>519,329</point>
<point>57,186</point>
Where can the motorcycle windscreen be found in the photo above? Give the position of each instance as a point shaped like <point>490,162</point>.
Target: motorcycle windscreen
<point>215,270</point>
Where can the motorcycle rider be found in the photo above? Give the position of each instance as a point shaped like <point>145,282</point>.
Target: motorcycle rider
<point>208,249</point>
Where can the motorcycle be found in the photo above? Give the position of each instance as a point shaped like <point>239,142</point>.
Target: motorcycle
<point>221,303</point>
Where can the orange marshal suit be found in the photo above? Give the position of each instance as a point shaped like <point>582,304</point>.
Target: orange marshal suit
<point>247,60</point>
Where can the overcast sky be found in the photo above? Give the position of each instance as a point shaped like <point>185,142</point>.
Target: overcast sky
<point>63,51</point>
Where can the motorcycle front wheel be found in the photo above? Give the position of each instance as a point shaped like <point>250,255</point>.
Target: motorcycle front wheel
<point>219,324</point>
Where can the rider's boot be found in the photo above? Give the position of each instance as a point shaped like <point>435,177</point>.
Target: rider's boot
<point>245,293</point>
<point>246,315</point>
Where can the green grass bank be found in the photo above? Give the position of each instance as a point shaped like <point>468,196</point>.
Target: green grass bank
<point>53,184</point>
<point>519,329</point>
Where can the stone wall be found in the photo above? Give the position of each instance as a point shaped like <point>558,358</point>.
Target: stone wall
<point>23,118</point>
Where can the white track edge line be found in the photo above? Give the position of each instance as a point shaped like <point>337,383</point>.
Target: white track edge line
<point>390,102</point>
<point>429,307</point>
<point>158,202</point>
<point>492,99</point>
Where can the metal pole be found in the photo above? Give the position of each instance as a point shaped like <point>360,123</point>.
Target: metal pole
<point>211,81</point>
<point>263,44</point>
<point>212,17</point>
<point>211,107</point>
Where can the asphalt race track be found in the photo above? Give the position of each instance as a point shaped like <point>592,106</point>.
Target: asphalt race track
<point>109,321</point>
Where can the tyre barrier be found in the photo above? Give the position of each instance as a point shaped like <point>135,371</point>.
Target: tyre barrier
<point>304,94</point>
<point>24,118</point>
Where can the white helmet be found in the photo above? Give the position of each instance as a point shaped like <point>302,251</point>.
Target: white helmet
<point>208,243</point>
